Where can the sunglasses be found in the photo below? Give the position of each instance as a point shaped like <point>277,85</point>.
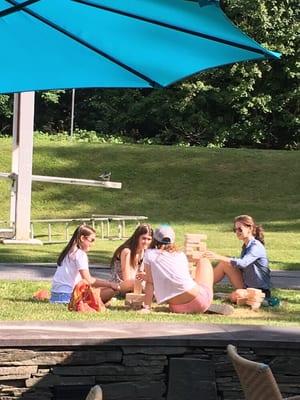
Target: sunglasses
<point>239,230</point>
<point>91,240</point>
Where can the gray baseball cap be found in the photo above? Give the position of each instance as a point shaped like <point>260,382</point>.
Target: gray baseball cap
<point>164,234</point>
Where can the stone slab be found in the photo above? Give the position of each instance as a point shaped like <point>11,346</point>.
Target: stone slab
<point>189,378</point>
<point>61,333</point>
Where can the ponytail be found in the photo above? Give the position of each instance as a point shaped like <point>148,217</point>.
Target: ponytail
<point>259,233</point>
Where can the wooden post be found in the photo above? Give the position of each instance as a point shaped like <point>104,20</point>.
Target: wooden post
<point>20,204</point>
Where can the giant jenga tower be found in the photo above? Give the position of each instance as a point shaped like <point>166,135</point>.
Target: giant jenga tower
<point>194,245</point>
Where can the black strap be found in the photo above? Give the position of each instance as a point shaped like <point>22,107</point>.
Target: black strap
<point>18,7</point>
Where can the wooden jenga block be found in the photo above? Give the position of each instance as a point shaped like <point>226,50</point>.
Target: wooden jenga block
<point>241,301</point>
<point>253,304</point>
<point>134,300</point>
<point>195,237</point>
<point>254,298</point>
<point>253,291</point>
<point>241,293</point>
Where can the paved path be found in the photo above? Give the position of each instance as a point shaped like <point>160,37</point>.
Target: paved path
<point>45,271</point>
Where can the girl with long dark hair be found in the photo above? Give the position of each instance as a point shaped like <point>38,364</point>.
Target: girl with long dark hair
<point>73,266</point>
<point>127,260</point>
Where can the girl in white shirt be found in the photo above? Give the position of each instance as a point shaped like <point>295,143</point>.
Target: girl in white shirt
<point>73,266</point>
<point>167,275</point>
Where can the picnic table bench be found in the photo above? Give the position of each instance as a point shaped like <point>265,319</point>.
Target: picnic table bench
<point>100,221</point>
<point>121,219</point>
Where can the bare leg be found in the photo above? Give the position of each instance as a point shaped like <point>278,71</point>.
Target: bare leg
<point>127,286</point>
<point>205,275</point>
<point>106,293</point>
<point>233,274</point>
<point>204,272</point>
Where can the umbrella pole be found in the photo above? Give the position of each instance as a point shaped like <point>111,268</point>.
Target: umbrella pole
<point>20,204</point>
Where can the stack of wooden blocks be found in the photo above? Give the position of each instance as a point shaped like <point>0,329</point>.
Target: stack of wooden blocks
<point>194,245</point>
<point>251,297</point>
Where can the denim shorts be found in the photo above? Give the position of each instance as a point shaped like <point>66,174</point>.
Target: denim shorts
<point>63,298</point>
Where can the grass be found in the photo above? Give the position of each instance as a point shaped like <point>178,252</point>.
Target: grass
<point>20,293</point>
<point>194,189</point>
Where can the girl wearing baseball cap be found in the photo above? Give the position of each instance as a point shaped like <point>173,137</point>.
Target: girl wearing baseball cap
<point>167,275</point>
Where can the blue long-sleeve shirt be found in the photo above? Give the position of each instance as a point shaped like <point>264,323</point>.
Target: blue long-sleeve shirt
<point>254,265</point>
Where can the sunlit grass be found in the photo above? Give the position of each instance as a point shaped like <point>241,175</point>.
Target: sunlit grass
<point>17,304</point>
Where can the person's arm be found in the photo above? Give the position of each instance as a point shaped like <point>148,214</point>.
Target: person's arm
<point>96,282</point>
<point>249,258</point>
<point>252,254</point>
<point>126,266</point>
<point>149,290</point>
<point>211,255</point>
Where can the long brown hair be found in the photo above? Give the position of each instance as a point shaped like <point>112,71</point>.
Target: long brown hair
<point>132,243</point>
<point>81,230</point>
<point>257,230</point>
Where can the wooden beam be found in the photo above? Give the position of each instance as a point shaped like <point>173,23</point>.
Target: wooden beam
<point>68,181</point>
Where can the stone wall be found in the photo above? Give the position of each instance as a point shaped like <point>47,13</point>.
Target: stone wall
<point>138,371</point>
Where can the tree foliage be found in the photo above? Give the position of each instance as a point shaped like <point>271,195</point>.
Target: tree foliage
<point>247,104</point>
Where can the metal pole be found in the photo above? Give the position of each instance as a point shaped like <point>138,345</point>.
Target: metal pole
<point>72,112</point>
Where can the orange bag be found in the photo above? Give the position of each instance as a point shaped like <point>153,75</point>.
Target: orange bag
<point>85,299</point>
<point>42,295</point>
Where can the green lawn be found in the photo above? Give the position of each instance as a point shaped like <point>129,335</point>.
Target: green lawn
<point>20,293</point>
<point>194,189</point>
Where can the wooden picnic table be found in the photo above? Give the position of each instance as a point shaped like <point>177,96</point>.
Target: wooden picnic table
<point>122,222</point>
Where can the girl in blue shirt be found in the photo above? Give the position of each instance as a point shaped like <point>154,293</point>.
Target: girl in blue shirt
<point>251,269</point>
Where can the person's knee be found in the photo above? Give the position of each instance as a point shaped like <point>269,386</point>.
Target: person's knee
<point>204,262</point>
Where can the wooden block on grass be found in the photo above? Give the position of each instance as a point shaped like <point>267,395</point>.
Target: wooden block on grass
<point>134,300</point>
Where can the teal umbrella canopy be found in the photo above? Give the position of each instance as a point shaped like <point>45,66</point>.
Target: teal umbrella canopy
<point>55,44</point>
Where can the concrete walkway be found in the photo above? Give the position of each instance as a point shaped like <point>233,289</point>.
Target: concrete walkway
<point>45,271</point>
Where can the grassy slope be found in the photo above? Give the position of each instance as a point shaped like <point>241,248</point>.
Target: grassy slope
<point>197,190</point>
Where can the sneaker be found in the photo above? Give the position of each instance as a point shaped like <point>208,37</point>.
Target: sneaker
<point>222,309</point>
<point>221,296</point>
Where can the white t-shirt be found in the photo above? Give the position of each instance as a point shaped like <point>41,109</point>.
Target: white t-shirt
<point>170,273</point>
<point>67,275</point>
